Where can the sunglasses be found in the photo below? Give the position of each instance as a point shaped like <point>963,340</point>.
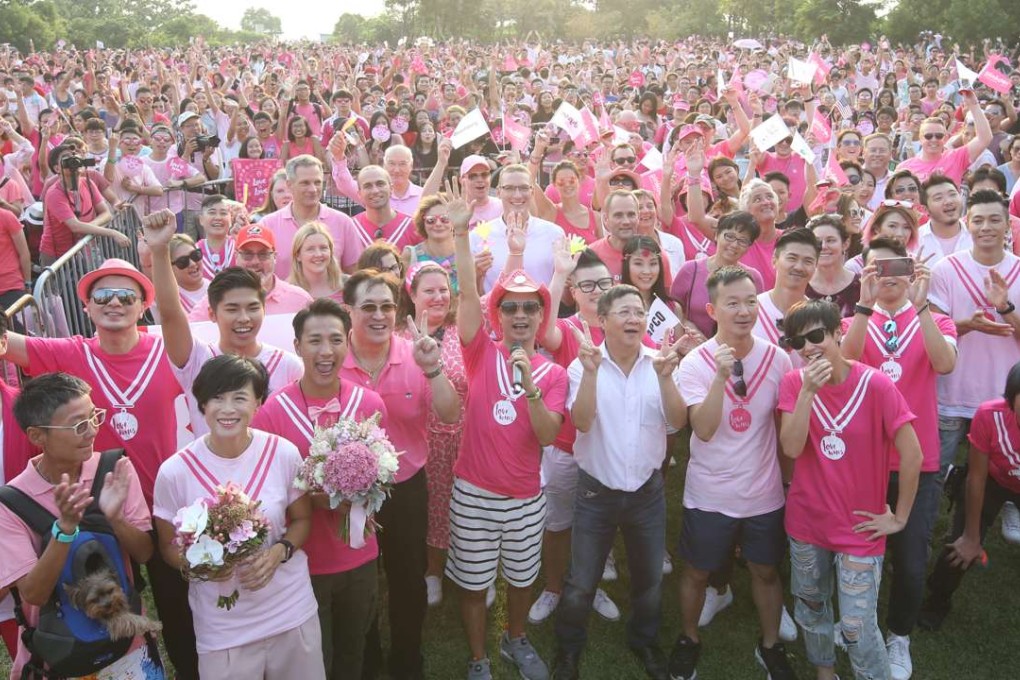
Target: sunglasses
<point>590,286</point>
<point>431,220</point>
<point>909,189</point>
<point>797,342</point>
<point>739,386</point>
<point>627,160</point>
<point>184,261</point>
<point>893,203</point>
<point>934,135</point>
<point>892,343</point>
<point>125,296</point>
<point>853,179</point>
<point>510,307</point>
<point>261,256</point>
<point>850,142</point>
<point>372,308</point>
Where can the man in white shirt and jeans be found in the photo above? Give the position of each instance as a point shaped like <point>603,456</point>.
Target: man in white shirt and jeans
<point>623,396</point>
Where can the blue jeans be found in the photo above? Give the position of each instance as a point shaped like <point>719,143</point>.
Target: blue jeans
<point>641,518</point>
<point>952,431</point>
<point>910,550</point>
<point>812,575</point>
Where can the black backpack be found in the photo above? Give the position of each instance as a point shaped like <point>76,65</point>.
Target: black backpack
<point>65,642</point>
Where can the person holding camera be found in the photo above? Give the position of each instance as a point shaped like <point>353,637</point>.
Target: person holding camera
<point>201,152</point>
<point>74,207</point>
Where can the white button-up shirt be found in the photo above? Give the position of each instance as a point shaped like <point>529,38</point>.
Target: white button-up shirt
<point>627,440</point>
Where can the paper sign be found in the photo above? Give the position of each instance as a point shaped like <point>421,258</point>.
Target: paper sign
<point>965,75</point>
<point>661,319</point>
<point>994,74</point>
<point>652,160</point>
<point>568,118</point>
<point>471,127</point>
<point>821,129</point>
<point>769,133</point>
<point>802,148</point>
<point>801,71</point>
<point>637,79</point>
<point>252,178</point>
<point>100,45</point>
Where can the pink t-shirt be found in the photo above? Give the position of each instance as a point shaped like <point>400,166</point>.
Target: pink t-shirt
<point>57,237</point>
<point>340,227</point>
<point>994,432</point>
<point>499,451</point>
<point>845,463</point>
<point>566,354</point>
<point>147,429</point>
<point>311,116</point>
<point>613,259</point>
<point>795,169</point>
<point>585,192</point>
<point>173,199</point>
<point>697,246</point>
<point>690,289</point>
<point>283,368</point>
<point>286,414</point>
<point>11,277</point>
<point>910,368</point>
<point>215,260</point>
<point>492,209</point>
<point>408,397</point>
<point>958,289</point>
<point>400,231</point>
<point>21,546</point>
<point>759,258</point>
<point>736,473</point>
<point>265,471</point>
<point>953,164</point>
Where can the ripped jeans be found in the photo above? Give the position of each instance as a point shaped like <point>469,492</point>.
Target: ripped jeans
<point>813,573</point>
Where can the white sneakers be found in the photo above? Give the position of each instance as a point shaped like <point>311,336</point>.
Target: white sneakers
<point>543,608</point>
<point>547,602</point>
<point>434,590</point>
<point>609,571</point>
<point>900,664</point>
<point>714,603</point>
<point>787,628</point>
<point>605,607</point>
<point>1011,523</point>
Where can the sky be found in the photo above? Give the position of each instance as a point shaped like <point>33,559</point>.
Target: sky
<point>300,18</point>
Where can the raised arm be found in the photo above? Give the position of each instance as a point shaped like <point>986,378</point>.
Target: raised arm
<point>158,228</point>
<point>469,308</point>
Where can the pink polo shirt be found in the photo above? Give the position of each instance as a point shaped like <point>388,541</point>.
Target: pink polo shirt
<point>21,546</point>
<point>408,398</point>
<point>286,414</point>
<point>340,227</point>
<point>347,186</point>
<point>499,451</point>
<point>759,258</point>
<point>953,164</point>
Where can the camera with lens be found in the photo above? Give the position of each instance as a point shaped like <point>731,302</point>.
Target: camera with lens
<point>77,162</point>
<point>203,142</point>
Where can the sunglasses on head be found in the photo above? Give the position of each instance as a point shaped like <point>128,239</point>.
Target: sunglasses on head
<point>511,307</point>
<point>125,296</point>
<point>184,261</point>
<point>797,342</point>
<point>934,135</point>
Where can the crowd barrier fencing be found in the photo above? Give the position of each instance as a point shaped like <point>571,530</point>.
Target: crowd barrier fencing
<point>22,317</point>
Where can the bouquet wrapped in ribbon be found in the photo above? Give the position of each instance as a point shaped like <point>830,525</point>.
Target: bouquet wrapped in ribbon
<point>351,462</point>
<point>216,534</point>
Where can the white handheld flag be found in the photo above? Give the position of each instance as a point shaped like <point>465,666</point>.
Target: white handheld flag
<point>660,319</point>
<point>471,127</point>
<point>770,132</point>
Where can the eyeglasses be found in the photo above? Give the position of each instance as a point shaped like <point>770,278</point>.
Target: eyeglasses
<point>893,203</point>
<point>933,135</point>
<point>892,343</point>
<point>815,337</point>
<point>626,160</point>
<point>856,213</point>
<point>739,386</point>
<point>853,179</point>
<point>730,237</point>
<point>907,189</point>
<point>261,256</point>
<point>516,188</point>
<point>431,220</point>
<point>125,296</point>
<point>82,427</point>
<point>590,286</point>
<point>630,313</point>
<point>511,307</point>
<point>850,142</point>
<point>371,308</point>
<point>184,261</point>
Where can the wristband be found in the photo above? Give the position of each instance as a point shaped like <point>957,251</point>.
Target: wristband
<point>536,396</point>
<point>924,307</point>
<point>288,548</point>
<point>1008,309</point>
<point>811,99</point>
<point>861,309</point>
<point>61,536</point>
<point>434,374</point>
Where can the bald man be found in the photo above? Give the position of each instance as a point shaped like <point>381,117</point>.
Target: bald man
<point>398,163</point>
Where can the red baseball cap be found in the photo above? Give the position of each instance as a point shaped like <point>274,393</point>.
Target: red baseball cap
<point>255,233</point>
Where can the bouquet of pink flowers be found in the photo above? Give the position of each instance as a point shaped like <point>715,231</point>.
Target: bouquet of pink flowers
<point>215,534</point>
<point>351,462</point>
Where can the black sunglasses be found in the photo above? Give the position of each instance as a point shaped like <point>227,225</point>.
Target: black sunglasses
<point>510,307</point>
<point>739,386</point>
<point>184,261</point>
<point>797,342</point>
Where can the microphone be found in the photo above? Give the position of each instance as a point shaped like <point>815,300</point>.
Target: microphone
<point>517,378</point>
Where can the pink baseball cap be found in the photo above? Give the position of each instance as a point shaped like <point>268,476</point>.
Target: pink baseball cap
<point>471,162</point>
<point>689,130</point>
<point>518,282</point>
<point>116,267</point>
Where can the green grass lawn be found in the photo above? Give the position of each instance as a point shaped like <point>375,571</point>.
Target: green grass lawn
<point>978,641</point>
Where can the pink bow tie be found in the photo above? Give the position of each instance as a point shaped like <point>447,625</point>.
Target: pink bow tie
<point>331,406</point>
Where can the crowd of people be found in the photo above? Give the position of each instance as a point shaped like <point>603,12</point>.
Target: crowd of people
<point>547,268</point>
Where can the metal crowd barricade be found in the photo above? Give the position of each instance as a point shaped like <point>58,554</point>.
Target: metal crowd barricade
<point>191,225</point>
<point>128,222</point>
<point>60,311</point>
<point>22,317</point>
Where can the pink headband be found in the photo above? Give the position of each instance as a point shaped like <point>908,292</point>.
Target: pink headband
<point>420,268</point>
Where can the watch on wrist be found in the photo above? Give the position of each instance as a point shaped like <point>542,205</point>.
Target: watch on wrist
<point>536,395</point>
<point>288,549</point>
<point>61,536</point>
<point>434,374</point>
<point>1008,309</point>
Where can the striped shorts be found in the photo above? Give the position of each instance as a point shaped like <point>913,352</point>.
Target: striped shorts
<point>487,530</point>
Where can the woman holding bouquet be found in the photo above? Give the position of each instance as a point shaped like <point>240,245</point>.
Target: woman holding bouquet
<point>270,629</point>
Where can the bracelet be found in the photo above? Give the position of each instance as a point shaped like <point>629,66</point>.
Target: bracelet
<point>923,308</point>
<point>434,374</point>
<point>536,396</point>
<point>861,309</point>
<point>811,99</point>
<point>1008,309</point>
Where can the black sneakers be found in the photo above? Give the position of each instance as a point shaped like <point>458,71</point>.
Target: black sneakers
<point>683,661</point>
<point>774,661</point>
